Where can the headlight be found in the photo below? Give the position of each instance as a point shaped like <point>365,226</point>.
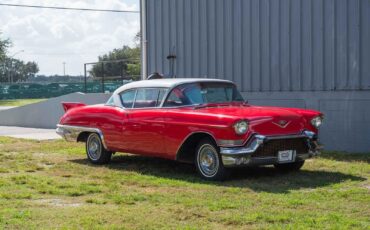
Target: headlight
<point>317,121</point>
<point>241,127</point>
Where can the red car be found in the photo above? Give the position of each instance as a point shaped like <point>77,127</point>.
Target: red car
<point>201,121</point>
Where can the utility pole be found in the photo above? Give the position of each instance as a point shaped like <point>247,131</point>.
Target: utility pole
<point>64,69</point>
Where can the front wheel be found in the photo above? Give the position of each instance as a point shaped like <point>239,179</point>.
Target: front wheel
<point>289,167</point>
<point>95,150</point>
<point>208,161</point>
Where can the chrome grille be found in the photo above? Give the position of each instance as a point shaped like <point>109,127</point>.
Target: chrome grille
<point>271,148</point>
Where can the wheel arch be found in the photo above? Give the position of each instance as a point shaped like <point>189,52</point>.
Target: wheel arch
<point>84,135</point>
<point>186,152</point>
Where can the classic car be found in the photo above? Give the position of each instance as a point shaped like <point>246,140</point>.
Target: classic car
<point>202,121</point>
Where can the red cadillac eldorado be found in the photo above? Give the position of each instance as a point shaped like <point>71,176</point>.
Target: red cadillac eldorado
<point>201,121</point>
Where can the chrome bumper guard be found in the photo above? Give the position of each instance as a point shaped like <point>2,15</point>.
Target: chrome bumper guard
<point>238,156</point>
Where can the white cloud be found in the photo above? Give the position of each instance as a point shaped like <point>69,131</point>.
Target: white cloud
<point>51,37</point>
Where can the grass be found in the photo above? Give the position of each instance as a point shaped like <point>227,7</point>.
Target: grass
<point>19,102</point>
<point>50,184</point>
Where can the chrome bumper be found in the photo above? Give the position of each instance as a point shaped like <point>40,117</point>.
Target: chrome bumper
<point>71,133</point>
<point>238,156</point>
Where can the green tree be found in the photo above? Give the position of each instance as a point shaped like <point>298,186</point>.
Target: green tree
<point>17,71</point>
<point>128,68</point>
<point>14,70</point>
<point>4,45</point>
<point>22,71</point>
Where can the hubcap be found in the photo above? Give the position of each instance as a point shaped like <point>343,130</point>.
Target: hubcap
<point>208,160</point>
<point>94,147</point>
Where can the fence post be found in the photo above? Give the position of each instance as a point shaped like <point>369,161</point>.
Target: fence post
<point>85,83</point>
<point>102,79</point>
<point>121,70</point>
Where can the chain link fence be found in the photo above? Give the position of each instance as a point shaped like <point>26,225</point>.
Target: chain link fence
<point>99,77</point>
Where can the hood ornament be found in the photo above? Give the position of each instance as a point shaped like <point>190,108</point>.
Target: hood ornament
<point>282,123</point>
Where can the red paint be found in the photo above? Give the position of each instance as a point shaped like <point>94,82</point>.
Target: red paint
<point>161,131</point>
<point>70,105</point>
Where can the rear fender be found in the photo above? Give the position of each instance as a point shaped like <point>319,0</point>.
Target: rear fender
<point>70,105</point>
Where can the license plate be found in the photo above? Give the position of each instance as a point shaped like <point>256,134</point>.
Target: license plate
<point>286,156</point>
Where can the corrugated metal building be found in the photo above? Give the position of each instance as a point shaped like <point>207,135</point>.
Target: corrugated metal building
<point>297,53</point>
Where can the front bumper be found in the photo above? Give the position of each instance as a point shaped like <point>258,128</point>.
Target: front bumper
<point>251,154</point>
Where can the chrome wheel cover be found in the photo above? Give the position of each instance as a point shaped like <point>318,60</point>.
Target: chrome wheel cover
<point>207,160</point>
<point>94,147</point>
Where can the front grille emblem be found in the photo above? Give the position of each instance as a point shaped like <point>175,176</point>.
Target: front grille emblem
<point>282,123</point>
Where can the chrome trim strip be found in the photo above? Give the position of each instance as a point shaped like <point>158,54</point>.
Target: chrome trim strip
<point>286,137</point>
<point>222,142</point>
<point>71,133</point>
<point>282,126</point>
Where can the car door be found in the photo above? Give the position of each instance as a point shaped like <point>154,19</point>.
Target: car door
<point>143,132</point>
<point>111,124</point>
<point>110,119</point>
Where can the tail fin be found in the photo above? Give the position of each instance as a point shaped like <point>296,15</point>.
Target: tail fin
<point>70,105</point>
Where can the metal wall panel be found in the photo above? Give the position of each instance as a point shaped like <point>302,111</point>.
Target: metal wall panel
<point>264,45</point>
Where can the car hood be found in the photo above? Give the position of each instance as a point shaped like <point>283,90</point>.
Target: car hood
<point>251,112</point>
<point>266,120</point>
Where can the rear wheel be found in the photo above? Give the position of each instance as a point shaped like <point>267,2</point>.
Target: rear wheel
<point>289,167</point>
<point>208,161</point>
<point>95,150</point>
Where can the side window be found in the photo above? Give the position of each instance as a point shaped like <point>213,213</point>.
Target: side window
<point>149,97</point>
<point>127,98</point>
<point>174,99</point>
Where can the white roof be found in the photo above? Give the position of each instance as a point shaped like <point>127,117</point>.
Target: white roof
<point>165,83</point>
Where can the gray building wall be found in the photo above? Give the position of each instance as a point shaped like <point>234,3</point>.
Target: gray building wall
<point>296,53</point>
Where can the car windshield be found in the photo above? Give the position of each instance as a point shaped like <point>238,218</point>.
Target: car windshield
<point>203,93</point>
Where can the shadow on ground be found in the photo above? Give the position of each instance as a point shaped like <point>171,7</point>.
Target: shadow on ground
<point>266,179</point>
<point>346,157</point>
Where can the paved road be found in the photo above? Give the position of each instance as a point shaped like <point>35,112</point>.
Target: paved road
<point>28,133</point>
<point>6,107</point>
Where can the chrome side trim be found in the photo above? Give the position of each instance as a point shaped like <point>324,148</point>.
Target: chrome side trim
<point>222,142</point>
<point>258,140</point>
<point>71,133</point>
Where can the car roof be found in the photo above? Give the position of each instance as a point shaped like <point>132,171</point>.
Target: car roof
<point>166,83</point>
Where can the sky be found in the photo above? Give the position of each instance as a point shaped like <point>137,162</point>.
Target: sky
<point>51,37</point>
